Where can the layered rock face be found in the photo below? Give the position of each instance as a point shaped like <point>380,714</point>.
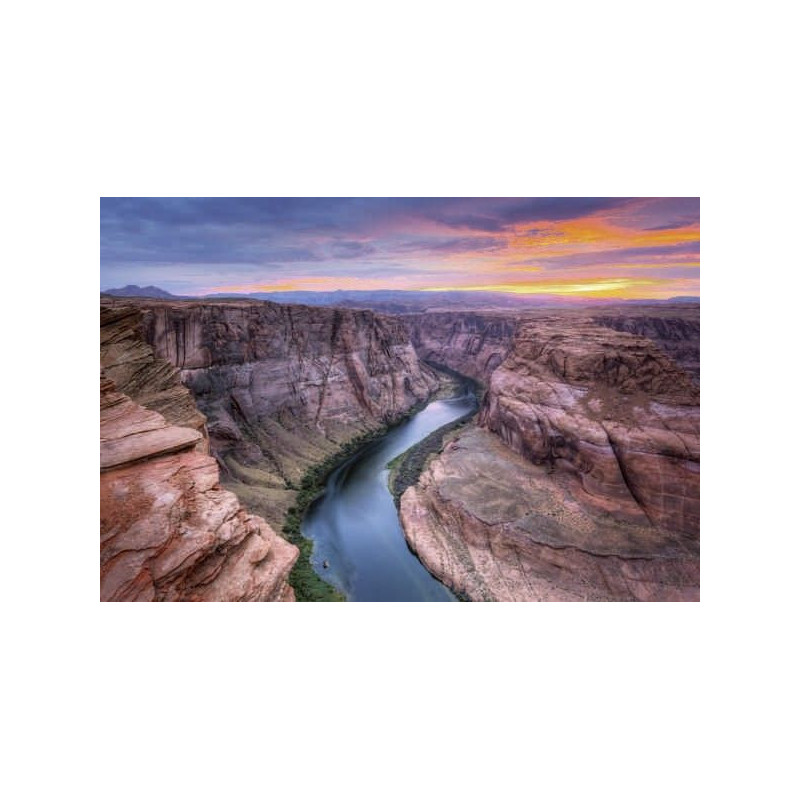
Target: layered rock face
<point>584,481</point>
<point>471,343</point>
<point>675,330</point>
<point>609,407</point>
<point>168,531</point>
<point>131,364</point>
<point>285,386</point>
<point>494,526</point>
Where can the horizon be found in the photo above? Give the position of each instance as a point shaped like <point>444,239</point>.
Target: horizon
<point>527,296</point>
<point>558,248</point>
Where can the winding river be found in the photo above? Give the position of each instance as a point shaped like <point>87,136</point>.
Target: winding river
<point>354,524</point>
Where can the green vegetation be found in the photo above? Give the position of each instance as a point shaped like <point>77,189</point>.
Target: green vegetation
<point>307,585</point>
<point>406,468</point>
<point>458,379</point>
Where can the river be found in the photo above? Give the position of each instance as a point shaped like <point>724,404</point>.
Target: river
<point>355,527</point>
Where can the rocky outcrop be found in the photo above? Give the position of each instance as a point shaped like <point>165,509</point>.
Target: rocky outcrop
<point>131,364</point>
<point>675,330</point>
<point>584,481</point>
<point>168,531</point>
<point>494,526</point>
<point>609,407</point>
<point>283,387</point>
<point>471,343</point>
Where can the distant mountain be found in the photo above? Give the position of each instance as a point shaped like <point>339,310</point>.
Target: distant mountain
<point>392,301</point>
<point>142,291</point>
<point>398,301</point>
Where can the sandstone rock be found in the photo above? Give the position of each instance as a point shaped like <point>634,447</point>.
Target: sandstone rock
<point>471,343</point>
<point>494,526</point>
<point>283,387</point>
<point>168,531</point>
<point>584,481</point>
<point>131,364</point>
<point>675,330</point>
<point>609,407</point>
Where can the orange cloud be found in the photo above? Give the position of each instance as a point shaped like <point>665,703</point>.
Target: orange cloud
<point>525,251</point>
<point>580,235</point>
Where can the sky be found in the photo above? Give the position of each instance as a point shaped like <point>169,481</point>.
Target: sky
<point>580,247</point>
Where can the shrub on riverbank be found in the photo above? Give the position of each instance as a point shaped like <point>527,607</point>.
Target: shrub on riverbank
<point>307,585</point>
<point>406,469</point>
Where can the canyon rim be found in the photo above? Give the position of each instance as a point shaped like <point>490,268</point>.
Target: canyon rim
<point>410,399</point>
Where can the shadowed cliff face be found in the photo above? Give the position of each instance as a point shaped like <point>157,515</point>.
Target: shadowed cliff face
<point>471,343</point>
<point>168,531</point>
<point>285,386</point>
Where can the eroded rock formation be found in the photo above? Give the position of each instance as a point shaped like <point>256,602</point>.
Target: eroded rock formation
<point>471,343</point>
<point>609,407</point>
<point>674,329</point>
<point>168,530</point>
<point>131,364</point>
<point>603,500</point>
<point>283,387</point>
<point>494,526</point>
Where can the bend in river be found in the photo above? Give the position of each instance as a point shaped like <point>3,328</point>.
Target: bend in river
<point>354,524</point>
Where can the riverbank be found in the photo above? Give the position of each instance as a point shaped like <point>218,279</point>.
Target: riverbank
<point>359,546</point>
<point>405,469</point>
<point>307,584</point>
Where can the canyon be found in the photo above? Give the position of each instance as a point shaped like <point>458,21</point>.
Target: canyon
<point>283,387</point>
<point>577,480</point>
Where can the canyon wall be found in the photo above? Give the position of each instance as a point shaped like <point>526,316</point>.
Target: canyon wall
<point>471,343</point>
<point>609,407</point>
<point>675,330</point>
<point>128,361</point>
<point>582,480</point>
<point>168,530</point>
<point>283,387</point>
<point>494,526</point>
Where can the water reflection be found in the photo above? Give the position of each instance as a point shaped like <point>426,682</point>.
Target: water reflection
<point>355,526</point>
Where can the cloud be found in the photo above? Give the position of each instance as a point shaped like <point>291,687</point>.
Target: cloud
<point>499,214</point>
<point>673,225</point>
<point>443,246</point>
<point>351,249</point>
<point>413,242</point>
<point>683,251</point>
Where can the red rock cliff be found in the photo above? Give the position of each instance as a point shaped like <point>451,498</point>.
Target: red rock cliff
<point>583,480</point>
<point>168,531</point>
<point>285,386</point>
<point>608,406</point>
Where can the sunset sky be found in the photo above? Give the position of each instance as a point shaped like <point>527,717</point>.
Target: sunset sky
<point>573,247</point>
